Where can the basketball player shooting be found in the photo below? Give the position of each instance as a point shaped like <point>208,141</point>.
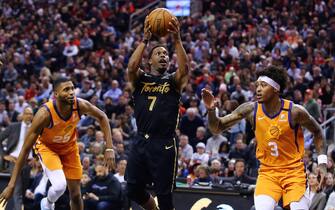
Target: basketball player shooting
<point>53,131</point>
<point>280,144</point>
<point>153,156</point>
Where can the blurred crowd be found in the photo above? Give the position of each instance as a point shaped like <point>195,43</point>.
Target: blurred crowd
<point>227,43</point>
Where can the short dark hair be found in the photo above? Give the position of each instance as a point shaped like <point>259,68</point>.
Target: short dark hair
<point>240,160</point>
<point>154,47</point>
<point>278,74</point>
<point>59,80</point>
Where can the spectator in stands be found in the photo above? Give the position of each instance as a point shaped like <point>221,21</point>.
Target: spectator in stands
<point>203,177</point>
<point>240,176</point>
<point>317,199</point>
<point>99,138</point>
<point>213,144</point>
<point>114,92</point>
<point>103,192</point>
<point>121,169</point>
<point>120,152</point>
<point>200,136</point>
<point>4,119</point>
<point>86,92</point>
<point>20,104</point>
<point>223,152</point>
<point>252,163</point>
<point>312,106</point>
<point>230,170</point>
<point>85,179</point>
<point>186,149</point>
<point>12,113</point>
<point>87,166</point>
<point>200,156</point>
<point>189,123</point>
<point>214,174</point>
<point>330,184</point>
<point>238,128</point>
<point>45,90</point>
<point>216,164</point>
<point>36,191</point>
<point>239,151</point>
<point>331,202</point>
<point>15,134</point>
<point>88,137</point>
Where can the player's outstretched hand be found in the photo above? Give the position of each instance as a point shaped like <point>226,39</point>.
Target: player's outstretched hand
<point>109,161</point>
<point>147,27</point>
<point>174,28</point>
<point>6,195</point>
<point>208,99</point>
<point>322,171</point>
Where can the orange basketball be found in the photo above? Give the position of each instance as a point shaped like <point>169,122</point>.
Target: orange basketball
<point>159,21</point>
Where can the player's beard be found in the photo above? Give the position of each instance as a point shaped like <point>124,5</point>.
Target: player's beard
<point>66,101</point>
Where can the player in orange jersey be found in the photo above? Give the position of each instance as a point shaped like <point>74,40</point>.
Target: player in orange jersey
<point>280,145</point>
<point>53,131</point>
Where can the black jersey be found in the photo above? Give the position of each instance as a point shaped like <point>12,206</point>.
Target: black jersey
<point>156,102</point>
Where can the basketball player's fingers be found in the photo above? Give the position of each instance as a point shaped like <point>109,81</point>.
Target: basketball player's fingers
<point>175,25</point>
<point>205,92</point>
<point>176,21</point>
<point>172,28</point>
<point>5,203</point>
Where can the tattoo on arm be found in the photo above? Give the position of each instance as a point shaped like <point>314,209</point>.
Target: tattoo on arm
<point>217,125</point>
<point>307,121</point>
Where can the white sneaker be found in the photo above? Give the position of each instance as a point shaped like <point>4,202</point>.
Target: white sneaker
<point>45,205</point>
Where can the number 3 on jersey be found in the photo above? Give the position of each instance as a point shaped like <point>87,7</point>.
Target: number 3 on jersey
<point>152,103</point>
<point>274,148</point>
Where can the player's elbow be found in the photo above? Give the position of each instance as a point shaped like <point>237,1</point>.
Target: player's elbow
<point>214,130</point>
<point>101,116</point>
<point>132,66</point>
<point>185,69</point>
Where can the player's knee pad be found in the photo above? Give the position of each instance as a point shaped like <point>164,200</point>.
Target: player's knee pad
<point>137,193</point>
<point>58,181</point>
<point>264,202</point>
<point>165,202</point>
<point>59,187</point>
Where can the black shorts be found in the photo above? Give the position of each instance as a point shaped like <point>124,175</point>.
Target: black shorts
<point>153,160</point>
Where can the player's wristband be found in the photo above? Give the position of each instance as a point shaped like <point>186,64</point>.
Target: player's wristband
<point>322,159</point>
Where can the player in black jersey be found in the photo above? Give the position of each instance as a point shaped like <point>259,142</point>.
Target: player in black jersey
<point>156,95</point>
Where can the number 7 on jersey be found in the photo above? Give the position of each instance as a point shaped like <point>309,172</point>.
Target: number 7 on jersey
<point>152,103</point>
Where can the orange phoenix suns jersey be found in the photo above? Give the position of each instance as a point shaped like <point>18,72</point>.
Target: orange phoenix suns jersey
<point>61,135</point>
<point>279,144</point>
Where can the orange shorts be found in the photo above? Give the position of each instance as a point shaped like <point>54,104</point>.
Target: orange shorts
<point>290,184</point>
<point>69,163</point>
